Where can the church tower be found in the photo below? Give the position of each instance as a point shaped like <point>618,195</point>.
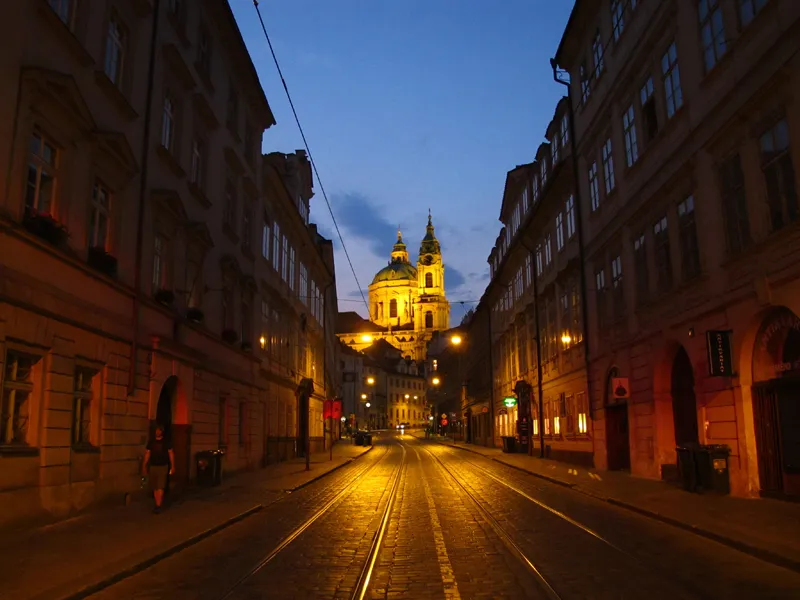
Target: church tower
<point>432,310</point>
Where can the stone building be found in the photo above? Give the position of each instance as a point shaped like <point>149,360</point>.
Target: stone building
<point>687,123</point>
<point>407,304</point>
<point>131,286</point>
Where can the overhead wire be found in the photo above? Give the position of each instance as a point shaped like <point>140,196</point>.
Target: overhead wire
<point>308,151</point>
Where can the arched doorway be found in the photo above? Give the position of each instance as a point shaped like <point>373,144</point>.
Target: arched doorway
<point>684,404</point>
<point>172,415</point>
<point>776,410</point>
<point>618,445</point>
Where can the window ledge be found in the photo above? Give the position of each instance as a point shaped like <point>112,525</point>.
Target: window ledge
<point>171,161</point>
<point>68,37</point>
<point>85,449</point>
<point>10,451</point>
<point>116,95</point>
<point>199,195</point>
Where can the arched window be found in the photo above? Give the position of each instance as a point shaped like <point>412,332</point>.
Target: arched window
<point>428,279</point>
<point>428,320</point>
<point>392,308</point>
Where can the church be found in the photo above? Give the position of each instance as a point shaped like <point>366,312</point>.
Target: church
<point>406,303</point>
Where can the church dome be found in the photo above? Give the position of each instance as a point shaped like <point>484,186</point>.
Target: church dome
<point>396,271</point>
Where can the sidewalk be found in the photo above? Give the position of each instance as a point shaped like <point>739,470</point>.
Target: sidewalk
<point>768,529</point>
<point>59,560</point>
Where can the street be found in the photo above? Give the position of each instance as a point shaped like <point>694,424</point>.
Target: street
<point>415,519</point>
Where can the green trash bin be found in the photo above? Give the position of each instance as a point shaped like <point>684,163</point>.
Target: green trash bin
<point>509,444</point>
<point>209,468</point>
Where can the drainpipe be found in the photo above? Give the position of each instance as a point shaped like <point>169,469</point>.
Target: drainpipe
<point>581,248</point>
<point>148,110</point>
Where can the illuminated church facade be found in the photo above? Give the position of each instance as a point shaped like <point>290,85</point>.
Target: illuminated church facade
<point>407,304</point>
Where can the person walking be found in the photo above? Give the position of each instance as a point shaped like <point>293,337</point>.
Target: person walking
<point>158,462</point>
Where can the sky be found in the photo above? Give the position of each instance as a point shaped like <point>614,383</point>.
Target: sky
<point>409,105</point>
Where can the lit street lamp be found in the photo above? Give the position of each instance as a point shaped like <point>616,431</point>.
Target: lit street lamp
<point>436,381</point>
<point>455,340</point>
<point>363,396</point>
<point>368,405</point>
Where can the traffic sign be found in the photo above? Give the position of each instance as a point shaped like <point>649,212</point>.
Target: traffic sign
<point>444,422</point>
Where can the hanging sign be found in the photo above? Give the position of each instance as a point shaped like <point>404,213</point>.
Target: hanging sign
<point>720,354</point>
<point>509,402</point>
<point>620,387</point>
<point>336,411</point>
<point>502,411</point>
<point>485,409</point>
<point>444,422</point>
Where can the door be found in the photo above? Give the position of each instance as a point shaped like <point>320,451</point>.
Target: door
<point>765,412</point>
<point>617,438</point>
<point>302,424</point>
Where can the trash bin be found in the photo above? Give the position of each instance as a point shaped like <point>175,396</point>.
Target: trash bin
<point>509,444</point>
<point>209,468</point>
<point>712,468</point>
<point>367,439</point>
<point>687,467</point>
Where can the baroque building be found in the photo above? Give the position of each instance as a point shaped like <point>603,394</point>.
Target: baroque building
<point>407,304</point>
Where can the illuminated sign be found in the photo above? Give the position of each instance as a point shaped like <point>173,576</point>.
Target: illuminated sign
<point>510,401</point>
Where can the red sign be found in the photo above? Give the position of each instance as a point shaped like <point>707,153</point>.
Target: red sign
<point>332,409</point>
<point>444,422</point>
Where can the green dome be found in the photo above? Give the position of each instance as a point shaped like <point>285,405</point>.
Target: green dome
<point>396,271</point>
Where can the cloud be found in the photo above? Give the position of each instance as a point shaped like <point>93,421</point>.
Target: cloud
<point>364,220</point>
<point>453,279</point>
<point>357,294</point>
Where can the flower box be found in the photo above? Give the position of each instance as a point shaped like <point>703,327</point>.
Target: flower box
<point>102,261</point>
<point>45,226</point>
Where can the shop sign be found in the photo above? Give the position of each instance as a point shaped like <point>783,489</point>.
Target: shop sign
<point>485,409</point>
<point>502,411</point>
<point>509,402</point>
<point>720,354</point>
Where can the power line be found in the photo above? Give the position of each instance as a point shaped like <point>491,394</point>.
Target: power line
<point>308,151</point>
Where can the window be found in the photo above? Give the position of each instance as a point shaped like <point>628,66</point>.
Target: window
<point>428,320</point>
<point>663,262</point>
<point>565,130</point>
<point>393,308</point>
<point>174,7</point>
<point>247,225</point>
<point>285,261</point>
<point>560,231</point>
<point>600,282</point>
<point>528,270</point>
<point>608,167</point>
<point>640,262</point>
<point>42,165</point>
<point>265,240</point>
<point>227,303</point>
<point>597,55</point>
<point>748,9</point>
<point>168,123</point>
<point>734,201</point>
<point>64,9</point>
<point>302,207</point>
<point>159,262</point>
<point>617,291</point>
<point>576,322</point>
<point>543,171</point>
<point>548,250</point>
<point>631,146</point>
<point>16,405</point>
<point>672,80</point>
<point>570,217</point>
<point>535,189</point>
<point>429,280</point>
<point>232,110</point>
<point>204,52</point>
<point>583,411</point>
<point>594,187</point>
<point>586,86</point>
<point>116,42</point>
<point>649,110</point>
<point>198,166</point>
<point>690,252</point>
<point>82,407</point>
<point>98,220</point>
<point>229,209</point>
<point>539,259</point>
<point>292,257</point>
<point>712,31</point>
<point>566,339</point>
<point>554,149</point>
<point>617,18</point>
<point>525,200</point>
<point>776,163</point>
<point>276,247</point>
<point>194,276</point>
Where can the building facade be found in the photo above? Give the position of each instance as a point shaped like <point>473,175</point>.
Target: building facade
<point>131,282</point>
<point>687,124</point>
<point>407,304</point>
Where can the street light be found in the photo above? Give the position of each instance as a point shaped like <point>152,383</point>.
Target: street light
<point>566,339</point>
<point>455,340</point>
<point>407,396</point>
<point>436,381</point>
<point>371,380</point>
<point>366,338</point>
<point>368,405</point>
<point>262,341</point>
<point>415,397</point>
<point>363,396</point>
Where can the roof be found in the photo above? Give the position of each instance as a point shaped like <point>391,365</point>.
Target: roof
<point>396,271</point>
<point>352,322</point>
<point>571,24</point>
<point>512,180</point>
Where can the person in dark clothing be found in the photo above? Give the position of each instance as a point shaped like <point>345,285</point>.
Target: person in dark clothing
<point>161,461</point>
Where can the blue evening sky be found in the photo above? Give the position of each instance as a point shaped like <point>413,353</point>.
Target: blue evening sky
<point>409,105</point>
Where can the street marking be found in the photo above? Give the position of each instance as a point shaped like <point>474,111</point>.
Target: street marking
<point>445,567</point>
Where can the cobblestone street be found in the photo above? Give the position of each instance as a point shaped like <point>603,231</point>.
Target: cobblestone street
<point>418,520</point>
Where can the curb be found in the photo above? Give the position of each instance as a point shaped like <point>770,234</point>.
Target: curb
<point>89,590</point>
<point>326,473</point>
<point>759,553</point>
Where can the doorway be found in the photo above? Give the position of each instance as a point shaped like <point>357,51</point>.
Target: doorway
<point>176,431</point>
<point>618,444</point>
<point>684,404</point>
